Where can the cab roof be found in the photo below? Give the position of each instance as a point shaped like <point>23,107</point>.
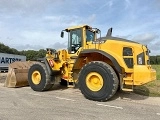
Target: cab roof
<point>74,27</point>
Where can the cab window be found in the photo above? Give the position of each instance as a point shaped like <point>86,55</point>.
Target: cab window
<point>89,35</point>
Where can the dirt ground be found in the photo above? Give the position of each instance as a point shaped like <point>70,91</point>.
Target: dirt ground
<point>3,77</point>
<point>62,103</point>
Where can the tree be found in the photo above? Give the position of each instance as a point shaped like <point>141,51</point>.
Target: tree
<point>155,59</point>
<point>7,49</point>
<point>34,55</point>
<point>158,60</point>
<point>41,53</point>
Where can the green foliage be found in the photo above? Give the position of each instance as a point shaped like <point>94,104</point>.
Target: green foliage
<point>30,54</point>
<point>155,60</point>
<point>157,68</point>
<point>6,49</point>
<point>41,53</point>
<point>151,88</point>
<point>34,55</point>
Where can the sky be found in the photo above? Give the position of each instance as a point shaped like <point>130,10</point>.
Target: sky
<point>36,24</point>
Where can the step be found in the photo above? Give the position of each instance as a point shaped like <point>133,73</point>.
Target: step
<point>127,89</point>
<point>128,79</point>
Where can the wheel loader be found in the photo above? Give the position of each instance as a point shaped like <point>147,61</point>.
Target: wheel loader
<point>97,65</point>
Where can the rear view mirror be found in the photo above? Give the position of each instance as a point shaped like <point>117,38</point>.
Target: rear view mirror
<point>98,31</point>
<point>62,34</point>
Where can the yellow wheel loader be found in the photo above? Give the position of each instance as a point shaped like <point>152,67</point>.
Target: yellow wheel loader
<point>99,65</point>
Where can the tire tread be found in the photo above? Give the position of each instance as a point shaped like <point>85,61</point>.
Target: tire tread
<point>109,68</point>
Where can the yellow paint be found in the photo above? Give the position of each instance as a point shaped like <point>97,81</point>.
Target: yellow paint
<point>94,81</point>
<point>36,77</point>
<point>76,27</point>
<point>138,75</point>
<point>64,63</point>
<point>143,74</point>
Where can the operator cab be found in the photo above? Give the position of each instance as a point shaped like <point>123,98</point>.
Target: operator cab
<point>76,36</point>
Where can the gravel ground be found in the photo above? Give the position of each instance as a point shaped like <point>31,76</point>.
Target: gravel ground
<point>69,104</point>
<point>63,103</point>
<point>3,77</point>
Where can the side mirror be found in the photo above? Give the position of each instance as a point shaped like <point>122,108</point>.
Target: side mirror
<point>98,31</point>
<point>62,34</point>
<point>149,51</point>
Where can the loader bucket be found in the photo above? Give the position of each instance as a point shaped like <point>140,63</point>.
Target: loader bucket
<point>18,74</point>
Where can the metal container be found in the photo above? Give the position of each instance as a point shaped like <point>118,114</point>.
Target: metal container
<point>6,59</point>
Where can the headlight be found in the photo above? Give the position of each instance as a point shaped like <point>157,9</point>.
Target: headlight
<point>140,60</point>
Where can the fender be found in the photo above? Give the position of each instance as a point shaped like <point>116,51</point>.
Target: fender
<point>114,61</point>
<point>49,69</point>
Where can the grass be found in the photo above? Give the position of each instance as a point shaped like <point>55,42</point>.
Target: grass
<point>152,88</point>
<point>157,68</point>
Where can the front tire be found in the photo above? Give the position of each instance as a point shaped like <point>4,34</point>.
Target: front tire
<point>38,77</point>
<point>98,81</point>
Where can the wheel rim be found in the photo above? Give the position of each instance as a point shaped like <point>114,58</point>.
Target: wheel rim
<point>94,81</point>
<point>36,77</point>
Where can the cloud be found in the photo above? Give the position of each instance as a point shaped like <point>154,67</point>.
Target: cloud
<point>26,6</point>
<point>154,47</point>
<point>38,23</point>
<point>127,4</point>
<point>39,30</point>
<point>145,38</point>
<point>106,4</point>
<point>91,19</point>
<point>156,4</point>
<point>27,47</point>
<point>58,45</point>
<point>63,21</point>
<point>151,40</point>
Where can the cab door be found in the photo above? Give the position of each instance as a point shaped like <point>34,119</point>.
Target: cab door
<point>75,41</point>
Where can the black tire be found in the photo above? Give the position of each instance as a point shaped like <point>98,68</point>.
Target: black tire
<point>46,81</point>
<point>110,81</point>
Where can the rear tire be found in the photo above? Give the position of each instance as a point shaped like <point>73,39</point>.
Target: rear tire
<point>38,77</point>
<point>98,81</point>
